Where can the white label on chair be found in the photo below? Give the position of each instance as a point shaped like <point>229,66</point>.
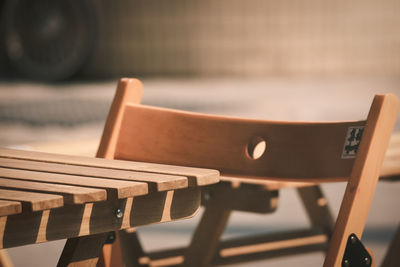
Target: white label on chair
<point>353,139</point>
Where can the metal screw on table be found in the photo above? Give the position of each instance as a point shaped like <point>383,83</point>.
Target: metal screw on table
<point>119,214</point>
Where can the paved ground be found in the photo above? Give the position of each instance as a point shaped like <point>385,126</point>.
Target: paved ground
<point>34,115</point>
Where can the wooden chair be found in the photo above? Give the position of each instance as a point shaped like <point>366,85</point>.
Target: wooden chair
<point>295,154</point>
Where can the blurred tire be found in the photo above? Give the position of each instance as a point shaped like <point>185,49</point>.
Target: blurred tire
<point>49,40</point>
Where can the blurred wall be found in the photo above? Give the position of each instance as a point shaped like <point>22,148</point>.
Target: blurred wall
<point>248,37</point>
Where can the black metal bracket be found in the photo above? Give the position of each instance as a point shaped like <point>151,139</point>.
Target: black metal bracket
<point>355,254</point>
<point>110,238</point>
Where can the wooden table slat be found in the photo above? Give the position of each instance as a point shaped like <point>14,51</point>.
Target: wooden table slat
<point>9,207</point>
<point>72,194</point>
<point>196,176</point>
<point>156,182</point>
<point>115,188</point>
<point>33,201</point>
<point>34,187</point>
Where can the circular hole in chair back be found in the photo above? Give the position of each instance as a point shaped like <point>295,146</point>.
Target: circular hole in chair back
<point>256,148</point>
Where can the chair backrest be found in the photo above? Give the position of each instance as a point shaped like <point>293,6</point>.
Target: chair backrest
<point>317,152</point>
<point>292,150</point>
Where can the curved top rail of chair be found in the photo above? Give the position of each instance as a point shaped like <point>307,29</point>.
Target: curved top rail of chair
<point>313,151</point>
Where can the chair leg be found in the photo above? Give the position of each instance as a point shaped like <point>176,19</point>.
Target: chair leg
<point>111,255</point>
<point>5,260</point>
<point>391,258</point>
<point>82,251</point>
<point>126,250</point>
<point>317,208</point>
<point>206,238</point>
<point>131,249</point>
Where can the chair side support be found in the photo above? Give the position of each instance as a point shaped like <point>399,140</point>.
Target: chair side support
<point>364,177</point>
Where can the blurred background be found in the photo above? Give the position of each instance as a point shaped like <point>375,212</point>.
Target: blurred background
<point>53,40</point>
<point>308,60</point>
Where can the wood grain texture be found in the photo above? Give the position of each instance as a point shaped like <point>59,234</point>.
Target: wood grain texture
<point>296,152</point>
<point>33,201</point>
<point>364,177</point>
<point>128,90</point>
<point>196,176</point>
<point>92,218</point>
<point>9,207</point>
<point>72,194</point>
<point>115,188</point>
<point>312,150</point>
<point>156,182</point>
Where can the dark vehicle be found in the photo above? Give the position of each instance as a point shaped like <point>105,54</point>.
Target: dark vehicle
<point>48,40</point>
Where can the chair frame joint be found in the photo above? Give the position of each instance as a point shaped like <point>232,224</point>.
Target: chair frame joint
<point>356,255</point>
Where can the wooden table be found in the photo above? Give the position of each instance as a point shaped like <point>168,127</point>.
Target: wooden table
<point>47,196</point>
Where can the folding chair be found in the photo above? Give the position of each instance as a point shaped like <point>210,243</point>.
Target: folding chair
<point>311,153</point>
